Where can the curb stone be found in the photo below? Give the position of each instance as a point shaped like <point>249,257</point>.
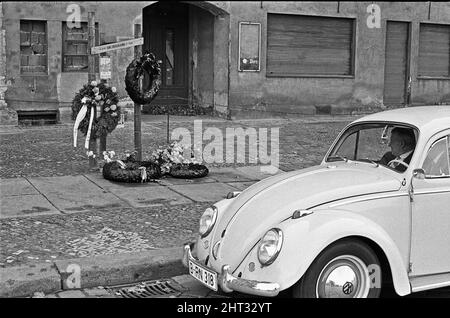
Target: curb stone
<point>86,272</point>
<point>22,281</point>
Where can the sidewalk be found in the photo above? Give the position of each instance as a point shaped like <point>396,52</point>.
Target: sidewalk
<point>116,233</point>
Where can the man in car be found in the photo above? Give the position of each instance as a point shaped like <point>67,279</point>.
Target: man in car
<point>402,143</point>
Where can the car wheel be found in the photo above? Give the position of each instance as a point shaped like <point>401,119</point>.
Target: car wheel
<point>344,270</point>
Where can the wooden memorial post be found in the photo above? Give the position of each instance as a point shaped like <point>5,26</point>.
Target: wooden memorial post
<point>136,43</point>
<point>92,77</point>
<point>137,107</point>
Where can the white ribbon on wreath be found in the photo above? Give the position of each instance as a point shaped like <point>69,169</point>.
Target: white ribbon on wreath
<point>81,115</point>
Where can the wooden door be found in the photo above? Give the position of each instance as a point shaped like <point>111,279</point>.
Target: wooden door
<point>396,63</point>
<point>166,35</point>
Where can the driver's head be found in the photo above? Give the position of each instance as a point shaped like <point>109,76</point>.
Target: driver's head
<point>402,140</point>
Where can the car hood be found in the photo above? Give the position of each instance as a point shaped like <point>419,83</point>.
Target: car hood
<point>265,204</point>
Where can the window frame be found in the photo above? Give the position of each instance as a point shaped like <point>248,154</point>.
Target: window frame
<point>43,73</point>
<point>347,131</point>
<point>352,73</point>
<point>63,51</point>
<point>427,77</point>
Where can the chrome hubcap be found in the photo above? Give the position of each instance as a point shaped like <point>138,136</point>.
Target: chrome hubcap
<point>345,276</point>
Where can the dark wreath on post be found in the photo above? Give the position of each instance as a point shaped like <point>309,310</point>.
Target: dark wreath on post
<point>147,63</point>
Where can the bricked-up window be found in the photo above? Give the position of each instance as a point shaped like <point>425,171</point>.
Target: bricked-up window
<point>75,48</point>
<point>300,45</point>
<point>33,47</point>
<point>434,50</point>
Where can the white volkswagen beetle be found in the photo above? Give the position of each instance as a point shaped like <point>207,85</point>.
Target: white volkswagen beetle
<point>344,228</point>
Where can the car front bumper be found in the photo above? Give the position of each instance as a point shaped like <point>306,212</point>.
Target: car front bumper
<point>229,283</point>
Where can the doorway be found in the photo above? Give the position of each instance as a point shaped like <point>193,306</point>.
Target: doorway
<point>396,64</point>
<point>165,28</point>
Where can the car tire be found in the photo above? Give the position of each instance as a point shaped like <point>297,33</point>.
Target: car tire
<point>346,269</point>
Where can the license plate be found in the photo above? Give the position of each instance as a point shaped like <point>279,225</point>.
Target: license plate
<point>203,275</point>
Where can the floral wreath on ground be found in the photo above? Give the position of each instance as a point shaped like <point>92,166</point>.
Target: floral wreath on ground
<point>95,96</point>
<point>172,160</point>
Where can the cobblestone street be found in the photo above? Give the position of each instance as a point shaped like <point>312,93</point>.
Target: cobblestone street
<point>49,151</point>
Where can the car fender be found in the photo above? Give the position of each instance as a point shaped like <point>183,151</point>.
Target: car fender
<point>305,238</point>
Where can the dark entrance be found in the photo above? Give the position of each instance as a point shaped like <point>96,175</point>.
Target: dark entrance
<point>396,63</point>
<point>165,31</point>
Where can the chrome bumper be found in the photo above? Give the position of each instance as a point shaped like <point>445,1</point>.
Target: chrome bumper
<point>229,283</point>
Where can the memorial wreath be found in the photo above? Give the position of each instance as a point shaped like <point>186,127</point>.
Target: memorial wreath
<point>135,70</point>
<point>92,97</point>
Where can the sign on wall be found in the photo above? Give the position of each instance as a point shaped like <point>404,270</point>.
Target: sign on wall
<point>105,67</point>
<point>249,46</point>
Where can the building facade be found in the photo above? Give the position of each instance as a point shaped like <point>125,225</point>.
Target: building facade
<point>243,59</point>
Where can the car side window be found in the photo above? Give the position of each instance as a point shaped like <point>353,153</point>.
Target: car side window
<point>436,164</point>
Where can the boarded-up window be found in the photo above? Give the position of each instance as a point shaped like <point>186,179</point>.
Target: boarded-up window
<point>308,45</point>
<point>434,50</point>
<point>33,47</point>
<point>75,47</point>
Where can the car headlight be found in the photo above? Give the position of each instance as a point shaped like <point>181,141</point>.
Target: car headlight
<point>270,246</point>
<point>207,221</point>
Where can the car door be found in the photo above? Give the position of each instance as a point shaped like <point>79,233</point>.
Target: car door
<point>430,236</point>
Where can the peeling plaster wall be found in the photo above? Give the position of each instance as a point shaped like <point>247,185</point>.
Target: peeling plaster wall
<point>254,94</point>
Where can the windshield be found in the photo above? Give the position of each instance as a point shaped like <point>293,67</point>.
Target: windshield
<point>388,145</point>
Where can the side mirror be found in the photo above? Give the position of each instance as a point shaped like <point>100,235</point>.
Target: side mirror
<point>419,173</point>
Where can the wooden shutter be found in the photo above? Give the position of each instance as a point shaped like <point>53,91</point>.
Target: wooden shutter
<point>434,50</point>
<point>307,45</point>
<point>395,63</point>
<point>33,47</point>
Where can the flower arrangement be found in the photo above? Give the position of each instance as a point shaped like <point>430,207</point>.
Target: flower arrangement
<point>174,154</point>
<point>94,96</point>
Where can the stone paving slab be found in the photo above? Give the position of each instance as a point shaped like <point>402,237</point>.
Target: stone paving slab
<point>77,202</point>
<point>241,185</point>
<point>16,186</point>
<point>26,205</point>
<point>229,174</point>
<point>63,184</point>
<point>97,179</point>
<point>149,196</point>
<point>75,193</point>
<point>206,192</point>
